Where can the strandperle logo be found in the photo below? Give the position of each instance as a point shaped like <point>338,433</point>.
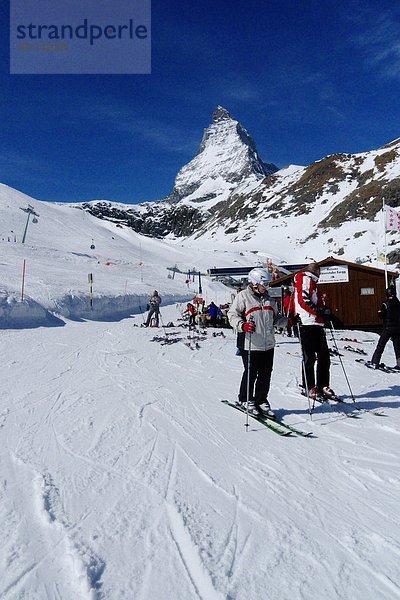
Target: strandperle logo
<point>85,31</point>
<point>80,37</point>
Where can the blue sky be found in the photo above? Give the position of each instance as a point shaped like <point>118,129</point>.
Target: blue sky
<point>306,79</point>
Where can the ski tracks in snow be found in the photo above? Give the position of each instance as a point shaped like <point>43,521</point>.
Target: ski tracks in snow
<point>39,544</point>
<point>141,485</point>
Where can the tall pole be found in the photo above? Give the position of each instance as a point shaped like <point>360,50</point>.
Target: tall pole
<point>385,248</point>
<point>23,280</point>
<point>26,227</point>
<point>141,261</point>
<point>90,279</point>
<point>30,211</point>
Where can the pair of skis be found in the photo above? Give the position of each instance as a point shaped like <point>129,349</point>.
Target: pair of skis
<point>275,425</point>
<point>331,402</point>
<point>381,367</point>
<point>355,411</point>
<point>356,350</point>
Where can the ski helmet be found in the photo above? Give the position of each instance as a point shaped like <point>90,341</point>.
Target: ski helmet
<point>391,292</point>
<point>259,276</point>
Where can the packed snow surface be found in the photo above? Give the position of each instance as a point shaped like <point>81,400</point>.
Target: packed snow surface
<point>123,475</point>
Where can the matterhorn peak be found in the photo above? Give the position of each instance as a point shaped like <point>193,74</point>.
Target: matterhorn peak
<point>227,157</point>
<point>221,114</point>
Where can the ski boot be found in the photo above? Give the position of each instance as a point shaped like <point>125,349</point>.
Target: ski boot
<point>328,393</point>
<point>265,411</point>
<point>316,396</point>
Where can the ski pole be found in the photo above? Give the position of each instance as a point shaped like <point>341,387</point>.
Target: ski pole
<point>303,366</point>
<point>341,362</point>
<point>248,378</point>
<point>141,311</point>
<point>248,384</point>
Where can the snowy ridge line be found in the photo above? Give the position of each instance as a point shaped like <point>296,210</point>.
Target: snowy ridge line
<point>86,566</point>
<point>15,314</point>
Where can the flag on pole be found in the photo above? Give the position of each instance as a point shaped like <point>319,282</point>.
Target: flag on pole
<point>392,219</point>
<point>381,257</point>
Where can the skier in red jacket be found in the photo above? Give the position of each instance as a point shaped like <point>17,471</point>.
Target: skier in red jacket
<point>192,312</point>
<point>310,311</point>
<point>288,310</point>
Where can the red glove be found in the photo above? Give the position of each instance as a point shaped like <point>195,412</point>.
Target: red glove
<point>249,327</point>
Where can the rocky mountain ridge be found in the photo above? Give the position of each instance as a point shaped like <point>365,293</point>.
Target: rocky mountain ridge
<point>227,189</point>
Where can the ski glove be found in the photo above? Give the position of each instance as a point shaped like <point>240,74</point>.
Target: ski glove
<point>249,327</point>
<point>323,312</point>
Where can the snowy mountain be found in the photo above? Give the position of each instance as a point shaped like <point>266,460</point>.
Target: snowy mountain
<point>324,209</point>
<point>226,199</point>
<point>227,161</point>
<point>227,192</point>
<point>227,158</point>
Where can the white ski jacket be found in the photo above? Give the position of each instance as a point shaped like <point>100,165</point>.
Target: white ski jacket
<point>263,311</point>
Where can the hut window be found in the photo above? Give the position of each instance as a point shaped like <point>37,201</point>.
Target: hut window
<point>367,291</point>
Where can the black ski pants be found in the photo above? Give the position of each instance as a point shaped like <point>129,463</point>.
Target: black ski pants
<point>314,346</point>
<point>154,310</point>
<point>261,363</point>
<point>387,334</point>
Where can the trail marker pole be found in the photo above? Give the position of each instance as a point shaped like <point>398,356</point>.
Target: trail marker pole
<point>23,280</point>
<point>90,279</point>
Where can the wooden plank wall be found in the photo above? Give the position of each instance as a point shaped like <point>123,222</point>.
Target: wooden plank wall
<point>347,304</point>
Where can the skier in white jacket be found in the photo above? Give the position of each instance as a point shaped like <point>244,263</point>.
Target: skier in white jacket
<point>252,315</point>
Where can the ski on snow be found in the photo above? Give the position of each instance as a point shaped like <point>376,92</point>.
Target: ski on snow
<point>356,350</point>
<point>274,425</point>
<point>381,367</point>
<point>354,413</point>
<point>332,402</point>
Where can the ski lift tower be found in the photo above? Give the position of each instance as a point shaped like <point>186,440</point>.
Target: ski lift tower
<point>30,211</point>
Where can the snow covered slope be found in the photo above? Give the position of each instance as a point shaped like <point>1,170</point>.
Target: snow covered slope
<point>59,257</point>
<point>332,207</point>
<point>122,475</point>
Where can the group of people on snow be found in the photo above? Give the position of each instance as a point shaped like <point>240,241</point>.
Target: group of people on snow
<point>209,316</point>
<point>253,314</point>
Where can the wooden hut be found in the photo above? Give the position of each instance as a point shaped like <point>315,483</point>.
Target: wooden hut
<point>355,292</point>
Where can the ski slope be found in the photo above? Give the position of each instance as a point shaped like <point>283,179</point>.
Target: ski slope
<point>122,474</point>
<point>67,244</point>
